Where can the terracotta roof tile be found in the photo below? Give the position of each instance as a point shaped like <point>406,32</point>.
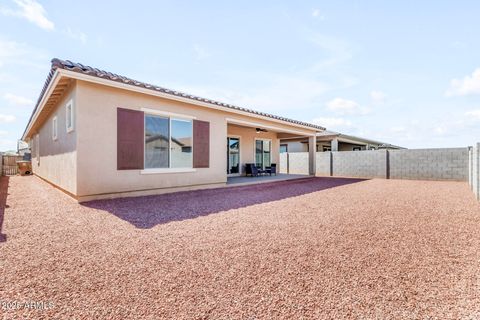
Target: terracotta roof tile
<point>80,68</point>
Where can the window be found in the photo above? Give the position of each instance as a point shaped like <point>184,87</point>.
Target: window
<point>233,156</point>
<point>327,148</point>
<point>69,116</point>
<point>168,142</point>
<point>262,153</point>
<point>283,148</point>
<point>54,128</point>
<point>357,148</point>
<point>181,142</point>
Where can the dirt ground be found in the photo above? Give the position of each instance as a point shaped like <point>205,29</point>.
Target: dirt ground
<point>321,248</point>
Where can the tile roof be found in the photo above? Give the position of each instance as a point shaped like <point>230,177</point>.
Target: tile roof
<point>87,70</point>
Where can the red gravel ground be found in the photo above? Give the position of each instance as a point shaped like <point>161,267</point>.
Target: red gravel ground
<point>321,248</point>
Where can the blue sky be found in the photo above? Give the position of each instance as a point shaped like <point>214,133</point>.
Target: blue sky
<point>404,72</point>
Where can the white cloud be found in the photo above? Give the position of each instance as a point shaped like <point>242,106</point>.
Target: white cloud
<point>32,11</point>
<point>16,53</point>
<point>398,129</point>
<point>76,35</point>
<point>201,52</point>
<point>378,97</point>
<point>273,93</point>
<point>6,118</point>
<point>7,144</point>
<point>10,50</point>
<point>466,86</point>
<point>332,123</point>
<point>475,114</point>
<point>17,100</point>
<point>317,14</point>
<point>459,45</point>
<point>343,107</point>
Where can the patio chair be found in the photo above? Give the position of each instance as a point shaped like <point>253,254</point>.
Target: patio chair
<point>251,169</point>
<point>272,169</point>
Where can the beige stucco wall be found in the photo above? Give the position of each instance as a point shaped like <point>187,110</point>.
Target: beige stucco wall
<point>343,146</point>
<point>97,142</point>
<point>58,158</point>
<point>296,145</point>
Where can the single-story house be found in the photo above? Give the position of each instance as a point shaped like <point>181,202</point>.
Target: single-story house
<point>334,141</point>
<point>95,134</point>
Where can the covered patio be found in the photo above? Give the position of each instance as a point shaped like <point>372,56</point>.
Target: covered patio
<point>257,144</point>
<point>244,180</point>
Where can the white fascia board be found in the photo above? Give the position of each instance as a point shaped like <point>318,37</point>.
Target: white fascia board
<point>53,83</point>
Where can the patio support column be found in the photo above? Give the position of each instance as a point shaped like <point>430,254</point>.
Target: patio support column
<point>312,151</point>
<point>334,144</point>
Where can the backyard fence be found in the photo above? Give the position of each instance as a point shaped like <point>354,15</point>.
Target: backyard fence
<point>8,165</point>
<point>420,164</point>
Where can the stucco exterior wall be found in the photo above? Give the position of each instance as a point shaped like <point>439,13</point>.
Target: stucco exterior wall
<point>343,146</point>
<point>58,158</point>
<point>296,146</point>
<point>97,142</point>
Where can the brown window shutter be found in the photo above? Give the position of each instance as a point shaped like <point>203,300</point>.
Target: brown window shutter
<point>201,144</point>
<point>130,139</point>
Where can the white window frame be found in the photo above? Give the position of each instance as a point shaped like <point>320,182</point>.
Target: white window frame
<point>171,116</point>
<point>239,155</point>
<point>72,116</point>
<point>55,128</point>
<point>255,149</point>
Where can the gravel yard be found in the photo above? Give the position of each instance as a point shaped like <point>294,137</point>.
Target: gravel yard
<point>320,248</point>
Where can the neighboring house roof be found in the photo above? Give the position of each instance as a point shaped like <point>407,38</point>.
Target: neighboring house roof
<point>156,137</point>
<point>327,135</point>
<point>87,70</point>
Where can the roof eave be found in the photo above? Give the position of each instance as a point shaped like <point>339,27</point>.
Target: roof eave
<point>51,82</point>
<point>130,87</point>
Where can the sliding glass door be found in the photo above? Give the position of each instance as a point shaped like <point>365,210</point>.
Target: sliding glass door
<point>233,156</point>
<point>263,151</point>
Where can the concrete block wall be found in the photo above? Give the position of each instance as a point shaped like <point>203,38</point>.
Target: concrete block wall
<point>420,164</point>
<point>361,164</point>
<point>474,169</point>
<point>323,163</point>
<point>429,164</point>
<point>298,162</point>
